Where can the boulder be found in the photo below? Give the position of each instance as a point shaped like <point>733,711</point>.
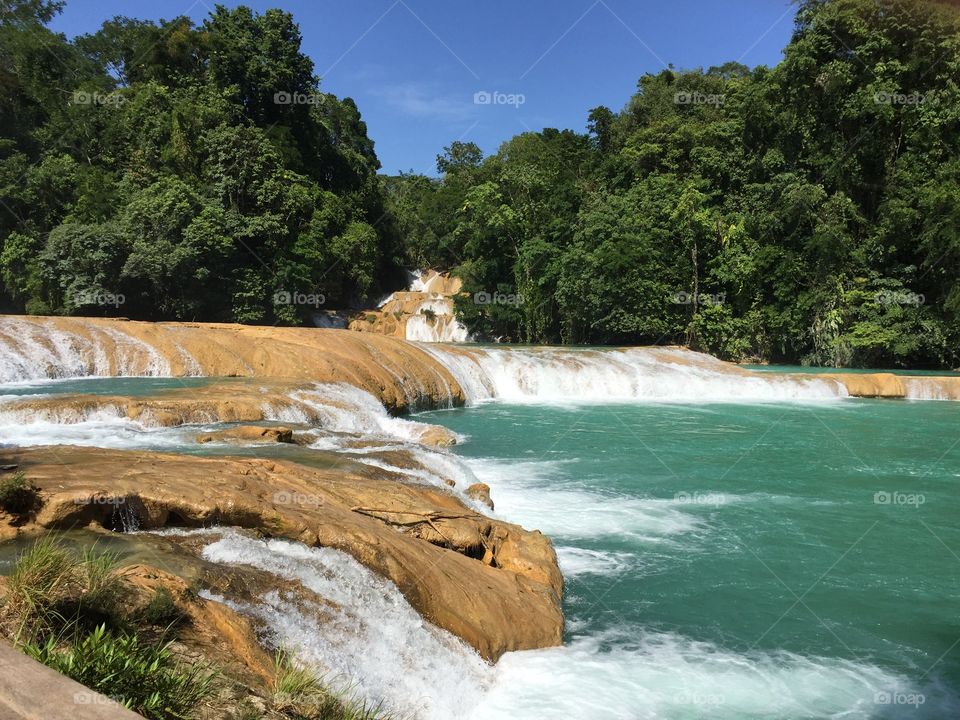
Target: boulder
<point>493,584</point>
<point>481,493</point>
<point>249,434</point>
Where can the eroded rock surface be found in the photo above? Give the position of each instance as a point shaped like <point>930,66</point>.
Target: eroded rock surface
<point>495,585</point>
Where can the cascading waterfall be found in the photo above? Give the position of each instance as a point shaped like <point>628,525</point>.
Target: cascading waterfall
<point>383,645</point>
<point>569,376</point>
<point>372,642</point>
<point>438,324</point>
<point>34,350</point>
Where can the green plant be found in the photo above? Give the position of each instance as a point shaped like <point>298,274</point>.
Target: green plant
<point>99,575</point>
<point>18,496</point>
<point>247,711</point>
<point>162,610</point>
<point>142,676</point>
<point>42,575</point>
<point>299,693</point>
<point>429,314</point>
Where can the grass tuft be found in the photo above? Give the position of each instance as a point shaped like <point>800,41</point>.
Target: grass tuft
<point>18,496</point>
<point>162,610</point>
<point>300,694</point>
<point>42,576</point>
<point>100,577</point>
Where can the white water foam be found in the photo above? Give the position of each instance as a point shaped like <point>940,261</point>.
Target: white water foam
<point>576,562</point>
<point>374,643</point>
<point>633,674</point>
<point>344,408</point>
<point>553,375</point>
<point>101,429</point>
<point>377,645</point>
<point>533,500</point>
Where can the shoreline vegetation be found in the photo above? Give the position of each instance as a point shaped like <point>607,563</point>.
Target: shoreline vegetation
<point>136,635</point>
<point>803,213</point>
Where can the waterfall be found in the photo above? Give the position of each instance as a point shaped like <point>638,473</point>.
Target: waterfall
<point>438,325</point>
<point>570,376</point>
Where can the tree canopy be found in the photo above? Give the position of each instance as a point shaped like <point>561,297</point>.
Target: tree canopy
<point>196,172</point>
<point>808,212</point>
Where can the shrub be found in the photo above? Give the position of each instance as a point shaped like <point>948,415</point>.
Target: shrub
<point>142,676</point>
<point>18,496</point>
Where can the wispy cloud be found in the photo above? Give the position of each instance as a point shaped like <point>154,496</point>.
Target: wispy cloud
<point>426,100</point>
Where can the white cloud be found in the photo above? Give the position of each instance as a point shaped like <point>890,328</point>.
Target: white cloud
<point>426,100</point>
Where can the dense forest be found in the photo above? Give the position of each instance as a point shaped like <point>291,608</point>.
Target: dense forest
<point>808,212</point>
<point>191,172</point>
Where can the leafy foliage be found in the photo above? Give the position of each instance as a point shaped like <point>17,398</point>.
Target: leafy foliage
<point>809,212</point>
<point>142,676</point>
<point>173,171</point>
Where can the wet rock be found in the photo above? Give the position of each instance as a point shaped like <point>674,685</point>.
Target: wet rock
<point>493,584</point>
<point>249,434</point>
<point>481,493</point>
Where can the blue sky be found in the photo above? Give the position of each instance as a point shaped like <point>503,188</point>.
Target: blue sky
<point>414,66</point>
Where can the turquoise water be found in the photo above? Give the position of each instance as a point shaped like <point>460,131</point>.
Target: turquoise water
<point>127,386</point>
<point>789,561</point>
<point>775,561</point>
<point>819,370</point>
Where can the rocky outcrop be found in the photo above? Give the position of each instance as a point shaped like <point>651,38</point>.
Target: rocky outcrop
<point>495,585</point>
<point>211,629</point>
<point>248,434</point>
<point>890,386</point>
<point>481,493</point>
<point>399,374</point>
<point>424,313</point>
<point>230,402</point>
<point>438,436</point>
